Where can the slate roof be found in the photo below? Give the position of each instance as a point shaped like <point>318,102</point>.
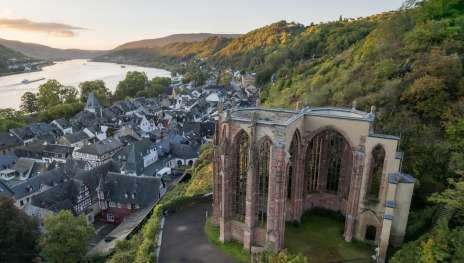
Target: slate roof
<point>184,151</point>
<point>101,147</point>
<point>33,184</point>
<point>41,128</point>
<point>58,148</point>
<point>63,123</point>
<point>5,190</point>
<point>91,177</point>
<point>7,160</point>
<point>9,139</point>
<point>140,190</point>
<point>76,137</point>
<point>126,139</point>
<point>92,102</point>
<point>85,119</point>
<point>60,197</point>
<point>132,155</point>
<point>23,165</point>
<point>200,129</point>
<point>23,133</point>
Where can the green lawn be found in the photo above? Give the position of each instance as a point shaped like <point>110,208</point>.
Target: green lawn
<point>231,248</point>
<point>321,239</point>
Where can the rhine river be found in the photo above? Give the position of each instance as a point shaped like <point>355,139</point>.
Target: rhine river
<point>68,73</point>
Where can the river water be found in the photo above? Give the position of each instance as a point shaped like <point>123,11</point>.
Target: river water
<point>68,73</point>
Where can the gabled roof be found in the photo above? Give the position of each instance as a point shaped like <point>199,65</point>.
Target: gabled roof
<point>23,165</point>
<point>101,147</point>
<point>9,139</point>
<point>127,189</point>
<point>33,184</point>
<point>132,155</point>
<point>63,123</point>
<point>41,128</point>
<point>57,148</point>
<point>7,160</point>
<point>23,133</point>
<point>76,137</point>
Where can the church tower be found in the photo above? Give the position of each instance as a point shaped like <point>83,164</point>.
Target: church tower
<point>93,105</point>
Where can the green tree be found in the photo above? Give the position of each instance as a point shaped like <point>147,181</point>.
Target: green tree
<point>66,238</point>
<point>19,233</point>
<point>133,83</point>
<point>98,87</point>
<point>68,94</point>
<point>440,245</point>
<point>452,197</point>
<point>49,94</point>
<point>29,103</point>
<point>9,119</point>
<point>52,93</point>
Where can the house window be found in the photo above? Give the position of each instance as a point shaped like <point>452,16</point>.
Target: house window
<point>242,156</point>
<point>112,204</point>
<point>21,203</point>
<point>110,217</point>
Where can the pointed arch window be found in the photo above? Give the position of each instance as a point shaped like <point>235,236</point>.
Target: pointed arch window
<point>313,160</point>
<point>377,162</point>
<point>335,148</point>
<point>263,180</point>
<point>242,157</point>
<point>292,164</point>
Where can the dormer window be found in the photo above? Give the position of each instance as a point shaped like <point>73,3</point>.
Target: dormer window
<point>134,195</point>
<point>126,195</point>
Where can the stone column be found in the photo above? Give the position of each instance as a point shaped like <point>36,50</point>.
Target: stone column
<point>276,198</point>
<point>251,193</point>
<point>353,198</point>
<point>298,205</point>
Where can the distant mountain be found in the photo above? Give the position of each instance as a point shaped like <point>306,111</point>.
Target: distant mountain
<point>167,55</point>
<point>49,53</point>
<point>5,55</point>
<point>159,42</point>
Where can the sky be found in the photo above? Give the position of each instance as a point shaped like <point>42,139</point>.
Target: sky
<point>105,24</point>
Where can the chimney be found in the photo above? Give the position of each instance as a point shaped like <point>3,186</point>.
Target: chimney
<point>258,103</point>
<point>355,103</point>
<point>297,105</point>
<point>372,109</point>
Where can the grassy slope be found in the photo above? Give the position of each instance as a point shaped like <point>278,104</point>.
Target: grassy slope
<point>321,240</point>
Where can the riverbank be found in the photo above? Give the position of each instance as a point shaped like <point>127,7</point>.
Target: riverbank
<point>39,68</point>
<point>68,73</point>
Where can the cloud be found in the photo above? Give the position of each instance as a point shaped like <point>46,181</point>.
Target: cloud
<point>54,29</point>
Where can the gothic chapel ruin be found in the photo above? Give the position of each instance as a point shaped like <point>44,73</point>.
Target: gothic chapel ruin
<point>272,165</point>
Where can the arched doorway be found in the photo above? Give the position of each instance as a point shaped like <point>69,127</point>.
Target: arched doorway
<point>371,233</point>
